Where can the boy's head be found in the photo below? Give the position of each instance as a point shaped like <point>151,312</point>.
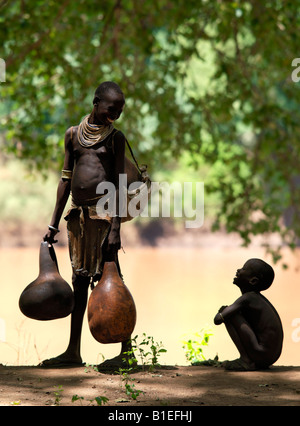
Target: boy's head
<point>108,102</point>
<point>254,275</point>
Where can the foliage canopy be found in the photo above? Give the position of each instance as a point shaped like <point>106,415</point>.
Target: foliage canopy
<point>207,78</point>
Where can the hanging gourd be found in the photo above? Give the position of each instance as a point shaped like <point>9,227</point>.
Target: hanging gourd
<point>49,296</point>
<point>111,308</point>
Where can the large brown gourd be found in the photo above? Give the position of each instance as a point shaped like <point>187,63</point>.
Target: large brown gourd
<point>49,296</point>
<point>111,308</point>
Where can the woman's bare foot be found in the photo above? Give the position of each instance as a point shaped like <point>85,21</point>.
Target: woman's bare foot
<point>63,360</point>
<point>120,361</point>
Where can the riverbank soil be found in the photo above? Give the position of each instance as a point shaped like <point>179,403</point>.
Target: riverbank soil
<point>166,386</point>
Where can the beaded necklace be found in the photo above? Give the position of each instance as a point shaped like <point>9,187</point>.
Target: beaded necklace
<point>91,134</point>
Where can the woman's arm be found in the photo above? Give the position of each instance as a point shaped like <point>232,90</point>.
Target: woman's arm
<point>63,190</point>
<point>114,239</point>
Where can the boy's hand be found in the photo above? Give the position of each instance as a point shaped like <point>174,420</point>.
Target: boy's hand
<point>219,318</point>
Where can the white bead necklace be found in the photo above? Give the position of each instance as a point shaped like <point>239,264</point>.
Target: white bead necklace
<point>91,134</point>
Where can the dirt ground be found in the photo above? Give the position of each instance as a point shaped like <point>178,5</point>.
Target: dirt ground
<point>167,386</point>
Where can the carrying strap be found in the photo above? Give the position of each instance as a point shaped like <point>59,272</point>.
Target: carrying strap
<point>132,155</point>
<point>130,150</point>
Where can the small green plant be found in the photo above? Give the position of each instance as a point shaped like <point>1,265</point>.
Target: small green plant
<point>132,391</point>
<point>194,347</point>
<point>77,398</point>
<point>58,394</point>
<point>147,350</point>
<point>100,400</point>
<point>130,388</point>
<point>90,367</point>
<point>15,403</point>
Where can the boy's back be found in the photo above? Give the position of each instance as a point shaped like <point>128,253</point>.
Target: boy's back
<point>264,321</point>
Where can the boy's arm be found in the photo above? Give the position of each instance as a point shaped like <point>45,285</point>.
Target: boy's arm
<point>226,312</point>
<point>63,190</point>
<point>114,239</point>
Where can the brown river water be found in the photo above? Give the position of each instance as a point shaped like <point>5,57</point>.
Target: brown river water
<point>177,292</point>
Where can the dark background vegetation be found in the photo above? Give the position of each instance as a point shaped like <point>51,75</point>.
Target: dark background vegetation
<point>209,96</point>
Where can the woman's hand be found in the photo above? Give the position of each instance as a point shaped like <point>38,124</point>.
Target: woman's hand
<point>49,236</point>
<point>113,240</point>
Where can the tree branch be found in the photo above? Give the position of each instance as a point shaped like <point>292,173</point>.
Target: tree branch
<point>12,59</point>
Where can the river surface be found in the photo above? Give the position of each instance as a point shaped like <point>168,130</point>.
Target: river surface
<point>177,292</point>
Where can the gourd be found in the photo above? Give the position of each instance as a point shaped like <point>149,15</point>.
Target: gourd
<point>49,296</point>
<point>111,308</point>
